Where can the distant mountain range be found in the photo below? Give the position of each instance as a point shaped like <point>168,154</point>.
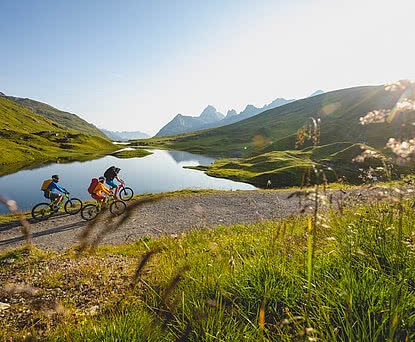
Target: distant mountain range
<point>124,135</point>
<point>66,119</point>
<point>211,118</point>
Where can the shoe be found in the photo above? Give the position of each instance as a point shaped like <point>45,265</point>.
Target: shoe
<point>57,207</point>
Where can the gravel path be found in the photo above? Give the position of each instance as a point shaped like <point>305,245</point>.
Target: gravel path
<point>171,215</point>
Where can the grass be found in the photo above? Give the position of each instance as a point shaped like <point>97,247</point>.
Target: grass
<point>137,153</point>
<point>65,119</point>
<point>275,129</point>
<point>260,148</point>
<point>28,140</point>
<point>290,168</point>
<point>348,277</point>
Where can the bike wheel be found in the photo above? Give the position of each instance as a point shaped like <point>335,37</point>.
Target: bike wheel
<point>41,211</point>
<point>126,194</point>
<point>117,207</point>
<point>89,212</point>
<point>73,206</point>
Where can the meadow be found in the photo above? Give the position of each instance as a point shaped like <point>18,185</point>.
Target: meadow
<point>340,270</point>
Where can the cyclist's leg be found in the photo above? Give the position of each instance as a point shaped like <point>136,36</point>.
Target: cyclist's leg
<point>113,185</point>
<point>59,199</point>
<point>100,199</point>
<point>116,191</point>
<point>53,199</point>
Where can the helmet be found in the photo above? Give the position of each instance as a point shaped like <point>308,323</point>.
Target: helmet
<point>55,177</point>
<point>101,178</point>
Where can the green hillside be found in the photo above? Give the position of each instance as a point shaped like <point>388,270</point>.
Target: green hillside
<point>276,129</point>
<point>29,139</point>
<point>264,144</point>
<point>66,119</point>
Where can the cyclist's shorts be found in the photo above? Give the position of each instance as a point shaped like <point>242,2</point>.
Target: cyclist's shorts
<point>111,184</point>
<point>97,196</point>
<point>53,196</point>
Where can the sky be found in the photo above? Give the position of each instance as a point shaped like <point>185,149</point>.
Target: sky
<point>132,65</point>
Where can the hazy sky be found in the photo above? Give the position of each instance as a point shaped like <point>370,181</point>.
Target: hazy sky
<point>133,65</point>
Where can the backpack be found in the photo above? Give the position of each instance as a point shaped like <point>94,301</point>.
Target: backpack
<point>46,184</point>
<point>110,173</point>
<point>92,186</point>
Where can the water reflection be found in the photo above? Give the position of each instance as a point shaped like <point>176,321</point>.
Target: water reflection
<point>160,172</point>
<point>190,158</point>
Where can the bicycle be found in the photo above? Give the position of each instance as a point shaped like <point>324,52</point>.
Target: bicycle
<point>91,211</point>
<point>125,193</point>
<point>42,211</point>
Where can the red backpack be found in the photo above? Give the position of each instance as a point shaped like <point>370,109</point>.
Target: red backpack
<point>94,183</point>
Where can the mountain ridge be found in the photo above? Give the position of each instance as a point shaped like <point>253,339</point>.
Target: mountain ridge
<point>124,135</point>
<point>184,123</point>
<point>67,119</point>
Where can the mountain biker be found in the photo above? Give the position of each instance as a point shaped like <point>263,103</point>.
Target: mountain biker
<point>110,174</point>
<point>99,189</point>
<point>50,192</point>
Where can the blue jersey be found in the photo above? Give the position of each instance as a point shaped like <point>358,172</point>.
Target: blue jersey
<point>55,186</point>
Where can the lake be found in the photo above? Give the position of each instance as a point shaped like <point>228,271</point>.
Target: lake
<point>160,172</point>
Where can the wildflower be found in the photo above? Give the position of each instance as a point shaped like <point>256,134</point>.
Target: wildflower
<point>403,149</point>
<point>376,116</point>
<point>399,85</point>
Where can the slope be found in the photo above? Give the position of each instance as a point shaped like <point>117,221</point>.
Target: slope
<point>66,119</point>
<point>276,129</point>
<point>28,139</point>
<point>271,137</point>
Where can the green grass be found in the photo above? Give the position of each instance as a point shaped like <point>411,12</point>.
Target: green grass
<point>275,129</point>
<point>137,153</point>
<point>292,167</point>
<point>360,285</point>
<point>271,136</point>
<point>29,140</point>
<point>65,119</point>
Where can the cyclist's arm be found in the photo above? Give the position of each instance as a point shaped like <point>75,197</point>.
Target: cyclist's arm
<point>119,179</point>
<point>101,187</point>
<point>53,186</point>
<point>60,189</point>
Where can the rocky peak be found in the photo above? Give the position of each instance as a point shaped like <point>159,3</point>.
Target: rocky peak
<point>317,92</point>
<point>231,113</point>
<point>210,114</point>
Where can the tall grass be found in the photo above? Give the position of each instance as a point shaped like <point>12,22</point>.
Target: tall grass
<point>256,282</point>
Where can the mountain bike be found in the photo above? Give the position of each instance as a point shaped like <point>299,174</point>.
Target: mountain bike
<point>42,211</point>
<point>116,207</point>
<point>125,193</point>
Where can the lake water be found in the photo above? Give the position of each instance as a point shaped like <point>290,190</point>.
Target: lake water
<point>160,172</point>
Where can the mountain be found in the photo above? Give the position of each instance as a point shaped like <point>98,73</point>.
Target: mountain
<point>28,139</point>
<point>317,92</point>
<point>124,135</point>
<point>183,123</point>
<point>210,118</point>
<point>263,147</point>
<point>66,119</point>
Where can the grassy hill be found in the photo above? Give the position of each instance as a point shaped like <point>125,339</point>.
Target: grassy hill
<point>271,136</point>
<point>276,129</point>
<point>29,139</point>
<point>66,119</point>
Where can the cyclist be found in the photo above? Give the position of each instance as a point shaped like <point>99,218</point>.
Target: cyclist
<point>51,193</point>
<point>110,174</point>
<point>99,189</point>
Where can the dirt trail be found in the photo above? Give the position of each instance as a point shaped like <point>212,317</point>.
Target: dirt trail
<point>171,215</point>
